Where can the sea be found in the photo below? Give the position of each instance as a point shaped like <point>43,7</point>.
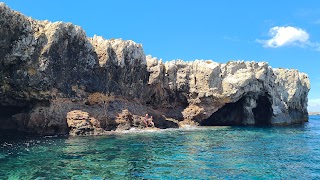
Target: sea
<point>223,152</point>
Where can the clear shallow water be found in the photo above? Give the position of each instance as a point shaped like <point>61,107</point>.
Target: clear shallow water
<point>205,153</point>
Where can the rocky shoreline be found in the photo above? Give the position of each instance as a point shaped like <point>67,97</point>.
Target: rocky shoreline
<point>314,113</point>
<point>56,80</point>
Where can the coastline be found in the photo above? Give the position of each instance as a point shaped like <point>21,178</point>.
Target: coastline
<point>68,83</point>
<point>314,113</point>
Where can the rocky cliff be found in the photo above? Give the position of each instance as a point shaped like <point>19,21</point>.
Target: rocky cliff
<point>54,79</point>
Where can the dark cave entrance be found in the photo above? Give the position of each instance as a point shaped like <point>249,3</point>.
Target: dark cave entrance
<point>235,113</point>
<point>229,114</point>
<point>263,112</point>
<point>6,113</point>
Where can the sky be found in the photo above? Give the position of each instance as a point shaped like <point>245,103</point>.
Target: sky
<point>283,33</point>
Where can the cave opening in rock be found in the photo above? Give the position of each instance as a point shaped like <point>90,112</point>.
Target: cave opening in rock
<point>6,113</point>
<point>229,114</point>
<point>263,111</point>
<point>238,113</point>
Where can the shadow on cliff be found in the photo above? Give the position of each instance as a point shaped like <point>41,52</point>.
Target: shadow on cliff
<point>239,113</point>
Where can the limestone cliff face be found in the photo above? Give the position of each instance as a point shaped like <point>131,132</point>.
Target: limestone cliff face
<point>234,93</point>
<point>48,70</point>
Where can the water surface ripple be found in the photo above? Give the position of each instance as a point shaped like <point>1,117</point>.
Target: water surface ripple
<point>205,153</point>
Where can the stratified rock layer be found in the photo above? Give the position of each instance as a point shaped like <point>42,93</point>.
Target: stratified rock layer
<point>53,79</point>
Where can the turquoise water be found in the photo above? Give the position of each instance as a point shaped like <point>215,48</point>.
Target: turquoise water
<point>205,153</point>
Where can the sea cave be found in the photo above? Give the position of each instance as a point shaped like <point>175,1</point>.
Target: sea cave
<point>237,113</point>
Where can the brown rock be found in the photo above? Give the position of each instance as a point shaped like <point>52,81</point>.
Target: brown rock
<point>80,123</point>
<point>124,120</point>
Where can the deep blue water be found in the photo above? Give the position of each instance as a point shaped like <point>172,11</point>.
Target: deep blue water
<point>205,153</point>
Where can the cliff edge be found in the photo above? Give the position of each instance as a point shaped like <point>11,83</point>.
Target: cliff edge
<point>55,80</point>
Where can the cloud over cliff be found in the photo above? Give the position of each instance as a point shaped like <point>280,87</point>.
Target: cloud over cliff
<point>284,36</point>
<point>288,36</point>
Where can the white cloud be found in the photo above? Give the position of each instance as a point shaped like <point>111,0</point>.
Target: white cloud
<point>314,105</point>
<point>284,36</point>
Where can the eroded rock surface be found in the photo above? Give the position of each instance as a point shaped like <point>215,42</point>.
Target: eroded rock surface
<point>80,123</point>
<point>237,92</point>
<point>53,79</point>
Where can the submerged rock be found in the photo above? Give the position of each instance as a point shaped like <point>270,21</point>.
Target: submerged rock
<point>55,80</point>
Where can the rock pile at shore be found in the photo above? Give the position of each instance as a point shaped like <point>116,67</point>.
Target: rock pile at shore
<point>56,80</point>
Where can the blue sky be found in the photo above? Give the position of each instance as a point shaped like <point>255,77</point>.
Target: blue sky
<point>283,33</point>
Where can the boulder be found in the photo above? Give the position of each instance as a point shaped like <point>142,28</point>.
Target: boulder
<point>80,123</point>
